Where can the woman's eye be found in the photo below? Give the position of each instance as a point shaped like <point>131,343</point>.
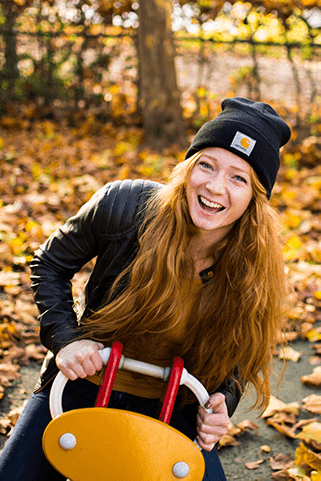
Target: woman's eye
<point>206,165</point>
<point>238,177</point>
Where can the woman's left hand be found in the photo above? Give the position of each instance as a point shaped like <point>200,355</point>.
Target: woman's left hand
<point>211,427</point>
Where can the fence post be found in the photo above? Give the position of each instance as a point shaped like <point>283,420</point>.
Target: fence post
<point>11,58</point>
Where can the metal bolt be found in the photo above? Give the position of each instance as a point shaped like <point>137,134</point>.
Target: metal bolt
<point>67,441</point>
<point>180,470</point>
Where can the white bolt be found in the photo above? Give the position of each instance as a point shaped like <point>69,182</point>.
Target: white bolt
<point>180,470</point>
<point>67,441</point>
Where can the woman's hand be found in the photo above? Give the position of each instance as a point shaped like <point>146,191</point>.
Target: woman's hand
<point>211,427</point>
<point>80,359</point>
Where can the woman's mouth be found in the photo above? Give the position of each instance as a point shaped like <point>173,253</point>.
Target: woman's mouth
<point>210,206</point>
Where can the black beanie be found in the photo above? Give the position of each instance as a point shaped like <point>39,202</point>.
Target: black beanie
<point>252,130</point>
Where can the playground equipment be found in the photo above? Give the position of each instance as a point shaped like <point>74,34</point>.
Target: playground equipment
<point>96,444</point>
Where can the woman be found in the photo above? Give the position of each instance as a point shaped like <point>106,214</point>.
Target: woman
<point>193,268</point>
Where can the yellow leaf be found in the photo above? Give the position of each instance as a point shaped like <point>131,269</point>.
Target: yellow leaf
<point>311,432</point>
<point>315,476</point>
<point>317,295</point>
<point>289,354</point>
<point>288,195</point>
<point>124,172</point>
<point>201,92</point>
<point>313,335</point>
<point>121,148</point>
<point>304,456</point>
<point>294,242</point>
<point>36,171</point>
<point>292,248</point>
<point>114,89</point>
<point>291,221</point>
<point>204,110</point>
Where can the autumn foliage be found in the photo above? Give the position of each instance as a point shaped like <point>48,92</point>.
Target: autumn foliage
<point>48,170</point>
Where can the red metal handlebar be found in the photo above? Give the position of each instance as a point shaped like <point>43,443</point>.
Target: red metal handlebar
<point>172,389</point>
<point>110,374</point>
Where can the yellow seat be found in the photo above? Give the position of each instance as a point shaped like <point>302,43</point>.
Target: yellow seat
<point>116,445</point>
<point>96,444</point>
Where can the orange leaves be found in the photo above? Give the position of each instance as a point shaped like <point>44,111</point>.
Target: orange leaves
<point>8,372</point>
<point>282,416</point>
<point>254,464</point>
<point>307,464</point>
<point>233,432</point>
<point>312,403</point>
<point>281,461</point>
<point>277,406</point>
<point>307,459</point>
<point>11,419</point>
<point>311,435</point>
<point>48,171</point>
<point>313,379</point>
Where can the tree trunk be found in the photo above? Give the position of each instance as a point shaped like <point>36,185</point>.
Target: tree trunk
<point>159,93</point>
<point>11,58</point>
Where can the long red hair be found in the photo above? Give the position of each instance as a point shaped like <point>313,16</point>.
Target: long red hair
<point>236,314</point>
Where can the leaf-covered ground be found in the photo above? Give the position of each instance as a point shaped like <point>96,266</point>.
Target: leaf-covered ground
<point>48,171</point>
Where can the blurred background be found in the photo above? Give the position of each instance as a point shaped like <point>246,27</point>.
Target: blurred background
<point>63,59</point>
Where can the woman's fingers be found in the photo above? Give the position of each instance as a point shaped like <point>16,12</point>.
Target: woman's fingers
<point>211,427</point>
<point>80,359</point>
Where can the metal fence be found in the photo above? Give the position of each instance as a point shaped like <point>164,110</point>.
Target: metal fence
<point>58,73</point>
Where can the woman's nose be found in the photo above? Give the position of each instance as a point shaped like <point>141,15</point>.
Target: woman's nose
<point>217,185</point>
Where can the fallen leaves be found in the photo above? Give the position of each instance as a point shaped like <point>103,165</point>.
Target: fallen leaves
<point>7,423</point>
<point>284,418</point>
<point>229,439</point>
<point>47,171</point>
<point>289,354</point>
<point>281,416</point>
<point>281,461</point>
<point>276,406</point>
<point>8,372</point>
<point>311,435</point>
<point>313,379</point>
<point>254,464</point>
<point>307,459</point>
<point>312,403</point>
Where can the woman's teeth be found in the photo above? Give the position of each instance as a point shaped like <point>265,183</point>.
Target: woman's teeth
<point>211,205</point>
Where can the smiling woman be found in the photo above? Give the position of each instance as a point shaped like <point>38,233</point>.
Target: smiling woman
<point>218,192</point>
<point>192,268</point>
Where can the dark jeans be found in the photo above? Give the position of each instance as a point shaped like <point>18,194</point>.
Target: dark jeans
<point>22,459</point>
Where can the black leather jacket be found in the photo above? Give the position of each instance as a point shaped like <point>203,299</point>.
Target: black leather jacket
<point>106,227</point>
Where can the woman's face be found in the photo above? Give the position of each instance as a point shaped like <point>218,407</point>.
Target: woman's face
<point>218,192</point>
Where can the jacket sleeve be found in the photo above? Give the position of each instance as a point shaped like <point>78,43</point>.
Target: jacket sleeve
<point>232,392</point>
<point>53,266</point>
<point>78,241</point>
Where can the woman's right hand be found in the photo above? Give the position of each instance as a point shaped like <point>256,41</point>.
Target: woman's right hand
<point>80,359</point>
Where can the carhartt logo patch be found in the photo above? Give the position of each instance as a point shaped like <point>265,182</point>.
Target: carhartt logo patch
<point>243,143</point>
